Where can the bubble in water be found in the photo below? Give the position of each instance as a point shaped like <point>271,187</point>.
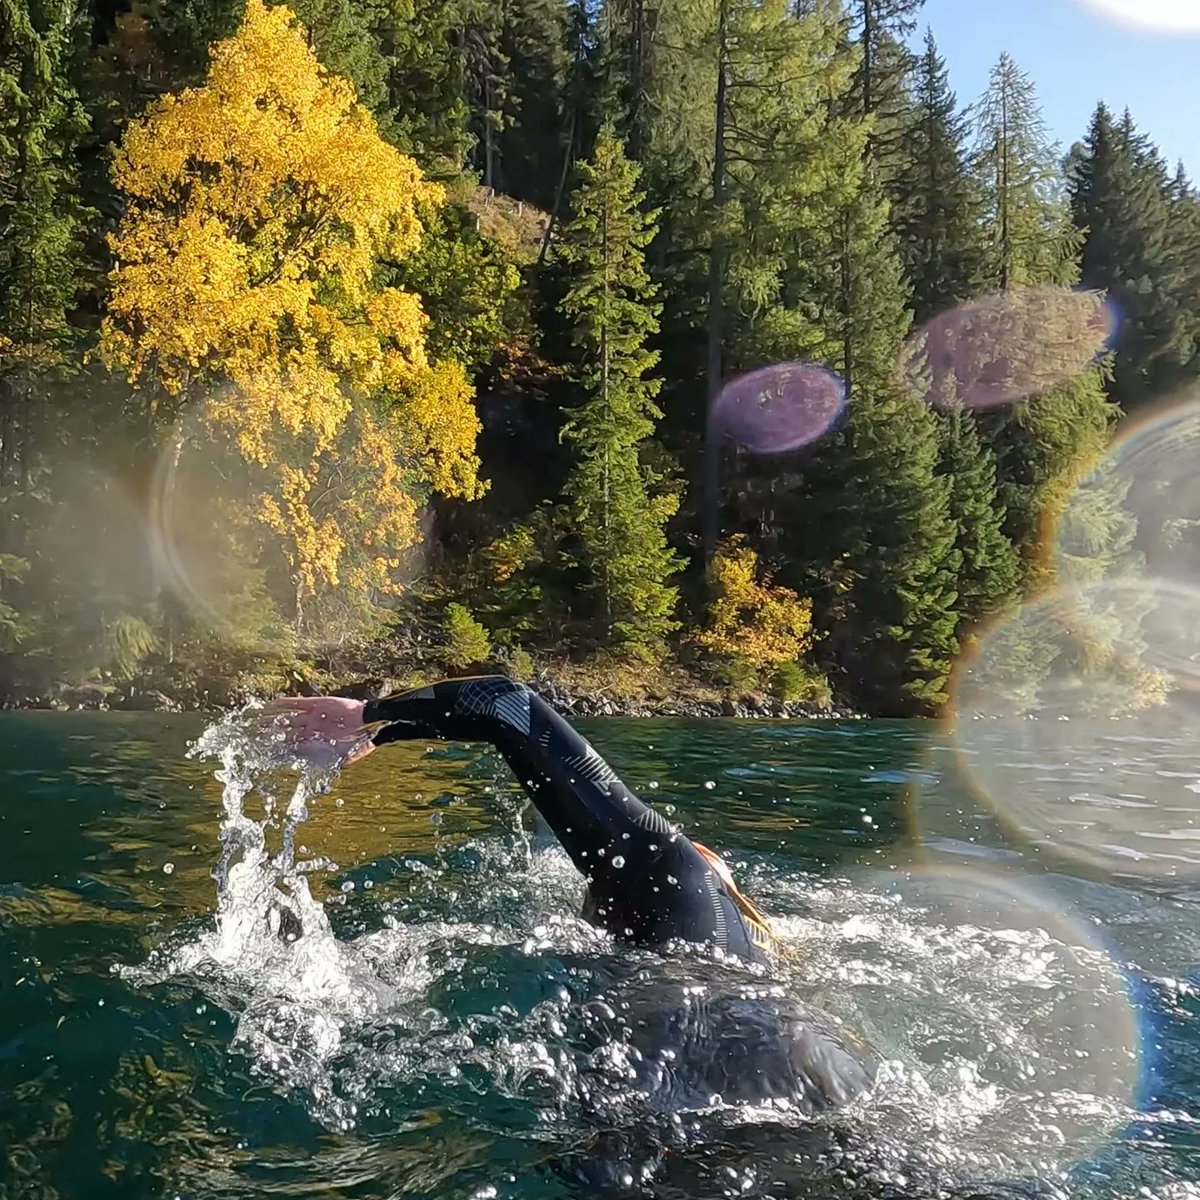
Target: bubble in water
<point>168,868</point>
<point>618,861</point>
<point>1008,347</point>
<point>779,408</point>
<point>1165,16</point>
<point>1075,719</point>
<point>709,784</point>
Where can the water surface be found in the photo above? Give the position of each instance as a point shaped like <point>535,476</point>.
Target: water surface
<point>1038,1012</point>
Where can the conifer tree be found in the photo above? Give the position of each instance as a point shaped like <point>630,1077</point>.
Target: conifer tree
<point>877,501</point>
<point>619,510</point>
<point>41,122</point>
<point>1041,443</point>
<point>1121,205</point>
<point>935,208</point>
<point>881,29</point>
<point>1025,223</point>
<point>989,569</point>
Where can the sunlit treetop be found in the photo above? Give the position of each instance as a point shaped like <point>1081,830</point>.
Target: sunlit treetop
<point>248,286</point>
<point>259,204</point>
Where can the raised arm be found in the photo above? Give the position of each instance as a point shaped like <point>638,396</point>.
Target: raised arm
<point>647,882</point>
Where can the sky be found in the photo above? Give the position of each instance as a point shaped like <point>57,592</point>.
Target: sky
<point>1078,54</point>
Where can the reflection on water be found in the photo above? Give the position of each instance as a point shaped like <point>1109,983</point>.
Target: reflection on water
<point>444,1025</point>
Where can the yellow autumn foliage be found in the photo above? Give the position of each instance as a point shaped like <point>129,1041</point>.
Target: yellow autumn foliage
<point>750,619</point>
<point>246,287</point>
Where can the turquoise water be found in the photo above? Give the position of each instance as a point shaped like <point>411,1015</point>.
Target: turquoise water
<point>1038,1011</point>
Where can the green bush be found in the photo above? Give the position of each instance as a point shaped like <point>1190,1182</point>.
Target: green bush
<point>737,672</point>
<point>466,640</point>
<point>520,663</point>
<point>795,682</point>
<point>128,642</point>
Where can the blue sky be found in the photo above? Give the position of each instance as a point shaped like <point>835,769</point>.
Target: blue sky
<point>1077,57</point>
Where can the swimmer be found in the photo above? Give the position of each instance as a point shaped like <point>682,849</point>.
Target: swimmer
<point>647,883</point>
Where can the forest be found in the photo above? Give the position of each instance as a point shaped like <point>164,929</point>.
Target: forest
<point>383,335</point>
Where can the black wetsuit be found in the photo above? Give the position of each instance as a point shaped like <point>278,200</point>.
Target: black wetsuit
<point>648,884</point>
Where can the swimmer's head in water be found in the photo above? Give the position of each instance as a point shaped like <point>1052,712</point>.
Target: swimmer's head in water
<point>756,922</point>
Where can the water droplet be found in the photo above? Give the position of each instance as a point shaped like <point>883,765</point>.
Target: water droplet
<point>618,862</point>
<point>671,879</point>
<point>709,784</point>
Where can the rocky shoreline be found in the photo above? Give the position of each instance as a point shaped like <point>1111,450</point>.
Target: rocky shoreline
<point>222,695</point>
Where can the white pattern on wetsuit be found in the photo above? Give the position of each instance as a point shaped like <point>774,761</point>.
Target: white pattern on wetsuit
<point>591,766</point>
<point>721,933</point>
<point>500,698</point>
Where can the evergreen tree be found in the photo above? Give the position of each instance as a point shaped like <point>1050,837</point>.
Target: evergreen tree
<point>881,29</point>
<point>989,567</point>
<point>1041,443</point>
<point>1025,222</point>
<point>610,301</point>
<point>878,511</point>
<point>783,164</point>
<point>935,207</point>
<point>41,122</point>
<point>1121,202</point>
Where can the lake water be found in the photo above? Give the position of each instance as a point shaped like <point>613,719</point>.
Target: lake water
<point>423,1038</point>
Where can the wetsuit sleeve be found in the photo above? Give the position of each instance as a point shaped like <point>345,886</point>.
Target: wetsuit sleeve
<point>648,883</point>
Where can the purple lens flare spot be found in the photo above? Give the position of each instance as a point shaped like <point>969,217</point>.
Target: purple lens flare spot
<point>779,408</point>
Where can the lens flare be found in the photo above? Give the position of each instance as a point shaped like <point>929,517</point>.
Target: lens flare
<point>1076,720</point>
<point>1008,347</point>
<point>1027,1028</point>
<point>220,537</point>
<point>1166,16</point>
<point>1142,500</point>
<point>780,408</point>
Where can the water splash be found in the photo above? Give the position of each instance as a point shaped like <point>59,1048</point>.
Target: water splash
<point>505,1008</point>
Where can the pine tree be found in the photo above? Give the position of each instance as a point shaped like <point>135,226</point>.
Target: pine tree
<point>1043,441</point>
<point>935,207</point>
<point>989,568</point>
<point>1121,203</point>
<point>41,252</point>
<point>1025,223</point>
<point>610,301</point>
<point>783,163</point>
<point>877,510</point>
<point>881,29</point>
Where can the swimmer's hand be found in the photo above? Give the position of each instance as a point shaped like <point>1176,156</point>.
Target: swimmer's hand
<point>324,731</point>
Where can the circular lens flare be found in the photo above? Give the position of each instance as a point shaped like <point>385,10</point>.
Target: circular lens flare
<point>779,408</point>
<point>1008,347</point>
<point>1165,16</point>
<point>1076,720</point>
<point>224,537</point>
<point>1138,509</point>
<point>1022,1042</point>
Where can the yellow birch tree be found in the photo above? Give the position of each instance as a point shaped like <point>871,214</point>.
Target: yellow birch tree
<point>247,290</point>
